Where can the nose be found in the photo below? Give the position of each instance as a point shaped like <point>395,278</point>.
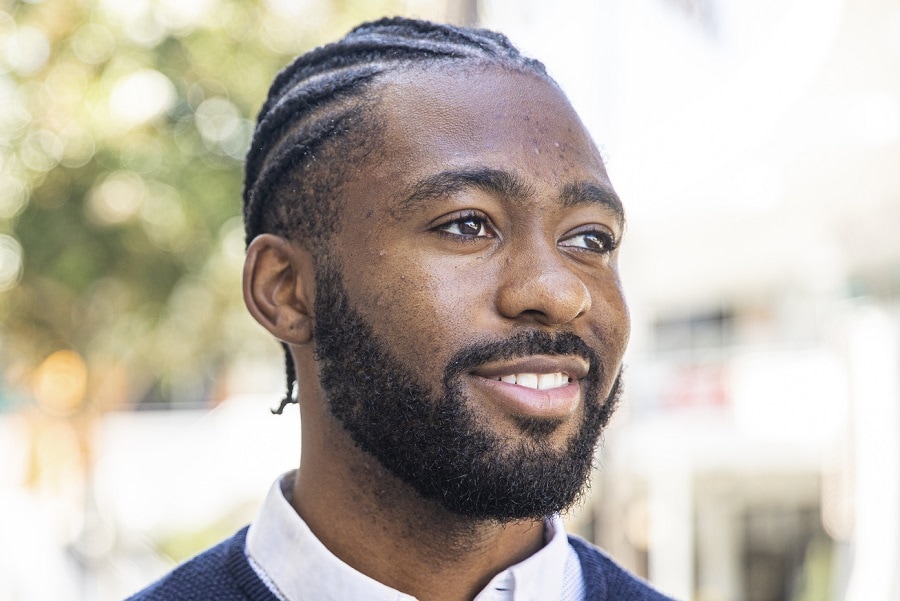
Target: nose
<point>540,286</point>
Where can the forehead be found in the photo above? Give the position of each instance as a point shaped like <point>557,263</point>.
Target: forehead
<point>443,118</point>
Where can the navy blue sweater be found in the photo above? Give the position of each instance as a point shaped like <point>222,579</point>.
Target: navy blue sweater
<point>224,574</point>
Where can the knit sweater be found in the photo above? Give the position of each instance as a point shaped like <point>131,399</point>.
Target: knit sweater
<point>223,573</point>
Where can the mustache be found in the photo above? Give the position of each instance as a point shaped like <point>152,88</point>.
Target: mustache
<point>531,342</point>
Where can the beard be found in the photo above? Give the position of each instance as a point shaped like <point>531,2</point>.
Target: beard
<point>432,440</point>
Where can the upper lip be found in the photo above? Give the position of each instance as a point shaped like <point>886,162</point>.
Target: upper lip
<point>573,366</point>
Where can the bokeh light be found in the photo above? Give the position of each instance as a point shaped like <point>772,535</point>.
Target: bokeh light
<point>141,96</point>
<point>60,383</point>
<point>10,262</point>
<point>27,50</point>
<point>117,198</point>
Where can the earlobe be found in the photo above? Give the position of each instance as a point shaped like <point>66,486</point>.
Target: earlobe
<point>279,283</point>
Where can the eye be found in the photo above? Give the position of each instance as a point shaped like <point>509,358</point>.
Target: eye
<point>593,240</point>
<point>468,226</point>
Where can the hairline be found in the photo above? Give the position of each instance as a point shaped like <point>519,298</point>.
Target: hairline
<point>367,102</point>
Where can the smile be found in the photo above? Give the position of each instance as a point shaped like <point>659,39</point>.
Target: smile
<point>536,381</point>
<point>541,372</point>
<point>540,386</point>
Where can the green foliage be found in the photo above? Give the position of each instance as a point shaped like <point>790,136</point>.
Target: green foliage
<point>122,137</point>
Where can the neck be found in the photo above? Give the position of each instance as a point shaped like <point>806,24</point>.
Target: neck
<point>383,528</point>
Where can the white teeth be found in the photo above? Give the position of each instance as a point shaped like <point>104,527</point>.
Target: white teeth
<point>527,380</point>
<point>538,381</point>
<point>546,381</point>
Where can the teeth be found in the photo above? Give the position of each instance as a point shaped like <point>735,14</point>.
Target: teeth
<point>538,381</point>
<point>546,381</point>
<point>527,380</point>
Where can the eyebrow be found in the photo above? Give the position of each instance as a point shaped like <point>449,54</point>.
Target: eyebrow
<point>504,184</point>
<point>446,183</point>
<point>589,193</point>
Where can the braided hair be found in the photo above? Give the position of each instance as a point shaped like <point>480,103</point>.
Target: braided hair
<point>318,121</point>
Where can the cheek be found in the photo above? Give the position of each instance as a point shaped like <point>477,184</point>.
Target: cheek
<point>612,325</point>
<point>422,310</point>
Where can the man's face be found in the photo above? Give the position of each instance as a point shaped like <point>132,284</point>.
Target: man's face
<point>469,320</point>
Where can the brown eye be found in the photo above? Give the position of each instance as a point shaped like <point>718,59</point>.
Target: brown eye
<point>594,241</point>
<point>471,227</point>
<point>468,227</point>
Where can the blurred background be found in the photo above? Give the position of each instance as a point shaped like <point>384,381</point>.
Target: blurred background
<point>756,144</point>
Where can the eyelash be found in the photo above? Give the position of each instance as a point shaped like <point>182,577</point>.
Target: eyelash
<point>483,222</point>
<point>607,240</point>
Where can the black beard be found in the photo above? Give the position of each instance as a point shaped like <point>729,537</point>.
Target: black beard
<point>434,442</point>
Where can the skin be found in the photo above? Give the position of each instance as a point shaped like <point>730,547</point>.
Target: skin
<point>432,272</point>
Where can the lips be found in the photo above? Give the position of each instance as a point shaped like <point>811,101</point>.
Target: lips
<point>569,366</point>
<point>541,386</point>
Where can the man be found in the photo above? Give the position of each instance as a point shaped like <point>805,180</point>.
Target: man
<point>433,238</point>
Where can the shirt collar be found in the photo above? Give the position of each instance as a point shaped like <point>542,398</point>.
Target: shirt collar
<point>298,567</point>
<point>537,577</point>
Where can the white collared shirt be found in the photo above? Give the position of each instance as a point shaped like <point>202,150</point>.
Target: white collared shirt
<point>296,566</point>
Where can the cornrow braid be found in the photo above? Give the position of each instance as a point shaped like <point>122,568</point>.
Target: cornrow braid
<point>318,121</point>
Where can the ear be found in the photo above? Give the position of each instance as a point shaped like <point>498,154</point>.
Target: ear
<point>279,287</point>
